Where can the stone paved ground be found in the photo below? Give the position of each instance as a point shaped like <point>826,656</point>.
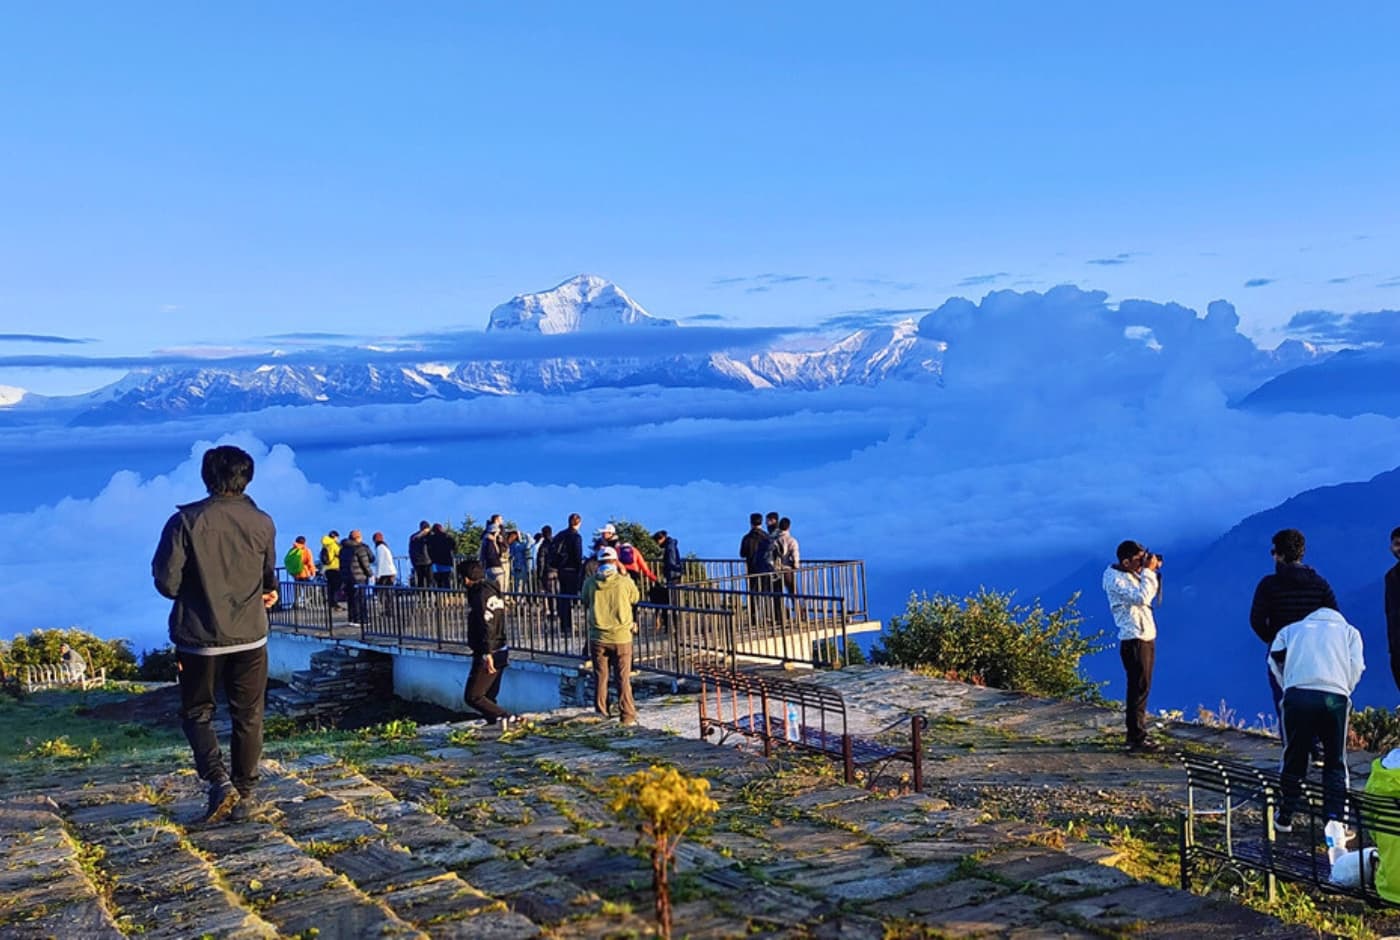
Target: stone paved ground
<point>462,832</point>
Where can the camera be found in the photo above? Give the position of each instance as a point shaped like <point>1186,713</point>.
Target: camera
<point>1148,557</point>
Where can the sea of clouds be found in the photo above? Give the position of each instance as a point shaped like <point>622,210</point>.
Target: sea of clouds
<point>1064,425</point>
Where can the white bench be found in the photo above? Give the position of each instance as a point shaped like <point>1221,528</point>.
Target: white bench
<point>59,676</point>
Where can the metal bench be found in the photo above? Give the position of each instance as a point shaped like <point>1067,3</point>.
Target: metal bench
<point>1228,825</point>
<point>801,715</point>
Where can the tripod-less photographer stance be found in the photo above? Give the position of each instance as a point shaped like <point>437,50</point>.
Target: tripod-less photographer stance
<point>1131,585</point>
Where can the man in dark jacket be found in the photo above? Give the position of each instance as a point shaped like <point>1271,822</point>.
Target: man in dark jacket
<point>1288,595</point>
<point>441,549</point>
<point>216,561</point>
<point>756,548</point>
<point>486,635</point>
<point>570,557</point>
<point>356,573</point>
<point>547,565</point>
<point>1392,607</point>
<point>418,556</point>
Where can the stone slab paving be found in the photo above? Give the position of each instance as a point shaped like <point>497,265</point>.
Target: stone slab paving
<point>471,833</point>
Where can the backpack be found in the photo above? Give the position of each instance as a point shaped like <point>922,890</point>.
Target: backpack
<point>554,553</point>
<point>325,556</point>
<point>626,555</point>
<point>293,561</point>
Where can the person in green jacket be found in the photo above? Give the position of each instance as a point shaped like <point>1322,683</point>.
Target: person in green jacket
<point>609,596</point>
<point>1385,781</point>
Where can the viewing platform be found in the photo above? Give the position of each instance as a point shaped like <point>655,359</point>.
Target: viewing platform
<point>716,617</point>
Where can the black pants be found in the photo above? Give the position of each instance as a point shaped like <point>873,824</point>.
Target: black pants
<point>1138,657</point>
<point>423,575</point>
<point>355,600</point>
<point>332,586</point>
<point>569,584</point>
<point>243,677</point>
<point>483,687</point>
<point>1309,714</point>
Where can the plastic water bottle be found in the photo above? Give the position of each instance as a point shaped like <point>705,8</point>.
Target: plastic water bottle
<point>1335,835</point>
<point>794,722</point>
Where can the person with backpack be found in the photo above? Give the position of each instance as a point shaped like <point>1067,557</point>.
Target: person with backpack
<point>756,548</point>
<point>610,599</point>
<point>330,567</point>
<point>493,556</point>
<point>786,559</point>
<point>486,636</point>
<point>441,549</point>
<point>418,556</point>
<point>547,568</point>
<point>631,560</point>
<point>300,568</point>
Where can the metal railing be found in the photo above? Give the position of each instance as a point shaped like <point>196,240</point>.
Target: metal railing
<point>843,579</point>
<point>700,627</point>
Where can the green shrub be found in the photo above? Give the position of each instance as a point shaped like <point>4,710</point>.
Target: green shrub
<point>987,639</point>
<point>40,647</point>
<point>158,665</point>
<point>1374,729</point>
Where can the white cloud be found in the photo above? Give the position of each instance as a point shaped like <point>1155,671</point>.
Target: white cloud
<point>1056,436</point>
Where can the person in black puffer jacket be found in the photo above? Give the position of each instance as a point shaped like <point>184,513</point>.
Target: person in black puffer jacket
<point>1288,595</point>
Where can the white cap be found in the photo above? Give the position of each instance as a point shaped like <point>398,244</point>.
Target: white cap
<point>609,529</point>
<point>607,554</point>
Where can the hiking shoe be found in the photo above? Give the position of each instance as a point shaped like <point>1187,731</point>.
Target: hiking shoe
<point>223,797</point>
<point>1280,825</point>
<point>249,807</point>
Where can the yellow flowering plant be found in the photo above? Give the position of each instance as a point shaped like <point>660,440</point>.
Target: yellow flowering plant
<point>664,804</point>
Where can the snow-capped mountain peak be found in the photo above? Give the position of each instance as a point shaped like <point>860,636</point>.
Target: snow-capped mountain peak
<point>582,303</point>
<point>10,395</point>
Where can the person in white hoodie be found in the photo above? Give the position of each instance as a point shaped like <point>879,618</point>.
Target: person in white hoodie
<point>1131,586</point>
<point>1318,662</point>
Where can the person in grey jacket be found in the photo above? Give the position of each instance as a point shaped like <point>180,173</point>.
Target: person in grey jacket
<point>216,561</point>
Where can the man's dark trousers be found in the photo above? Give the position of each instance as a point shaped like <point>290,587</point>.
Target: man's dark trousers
<point>423,576</point>
<point>484,686</point>
<point>243,677</point>
<point>569,584</point>
<point>332,586</point>
<point>356,601</point>
<point>1138,657</point>
<point>1310,714</point>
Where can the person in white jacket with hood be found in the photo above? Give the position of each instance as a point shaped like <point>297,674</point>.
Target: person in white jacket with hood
<point>1318,662</point>
<point>1131,586</point>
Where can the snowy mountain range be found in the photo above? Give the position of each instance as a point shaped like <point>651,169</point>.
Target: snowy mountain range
<point>584,304</point>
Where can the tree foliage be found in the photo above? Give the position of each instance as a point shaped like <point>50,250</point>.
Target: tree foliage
<point>158,665</point>
<point>988,639</point>
<point>40,647</point>
<point>639,536</point>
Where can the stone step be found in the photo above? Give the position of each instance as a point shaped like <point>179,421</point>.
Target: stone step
<point>41,869</point>
<point>394,851</point>
<point>272,873</point>
<point>161,885</point>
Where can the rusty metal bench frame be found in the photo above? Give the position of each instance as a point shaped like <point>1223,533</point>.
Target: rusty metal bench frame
<point>1229,819</point>
<point>736,702</point>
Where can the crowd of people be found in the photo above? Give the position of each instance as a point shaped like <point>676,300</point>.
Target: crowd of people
<point>1313,658</point>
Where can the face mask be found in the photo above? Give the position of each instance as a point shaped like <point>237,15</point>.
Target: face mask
<point>606,570</point>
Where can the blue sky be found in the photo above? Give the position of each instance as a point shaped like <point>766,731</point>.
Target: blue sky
<point>181,175</point>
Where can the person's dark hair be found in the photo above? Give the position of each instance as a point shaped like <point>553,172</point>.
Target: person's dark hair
<point>755,518</point>
<point>1395,533</point>
<point>658,535</point>
<point>1289,544</point>
<point>784,524</point>
<point>772,517</point>
<point>423,524</point>
<point>546,531</point>
<point>474,571</point>
<point>300,540</point>
<point>226,470</point>
<point>575,518</point>
<point>1128,549</point>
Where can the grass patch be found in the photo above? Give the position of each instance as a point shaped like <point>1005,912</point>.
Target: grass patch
<point>49,730</point>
